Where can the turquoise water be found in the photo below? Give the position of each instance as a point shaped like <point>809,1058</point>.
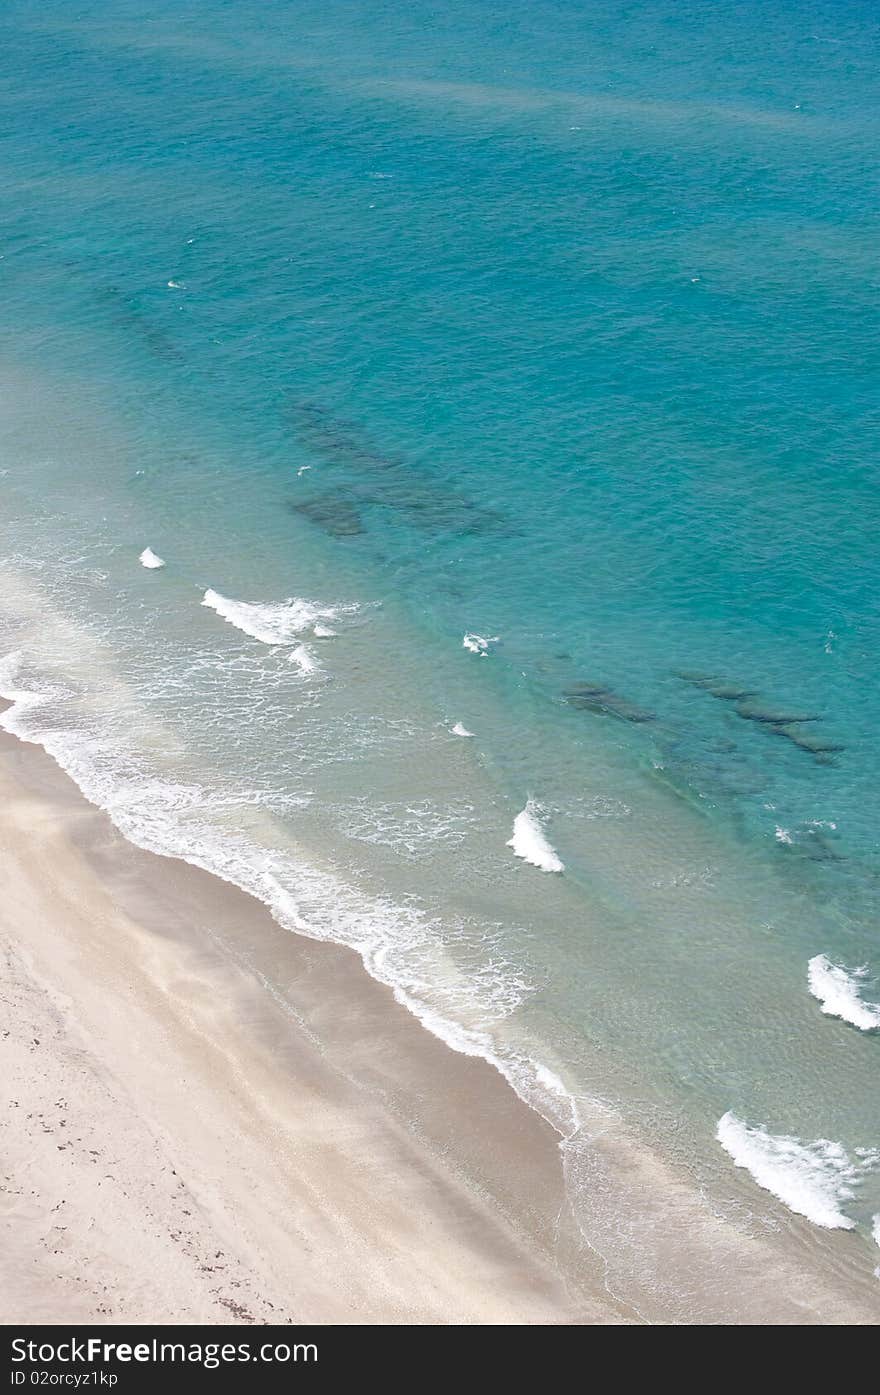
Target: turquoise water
<point>555,324</point>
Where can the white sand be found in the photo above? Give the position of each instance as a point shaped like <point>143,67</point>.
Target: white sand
<point>179,1144</point>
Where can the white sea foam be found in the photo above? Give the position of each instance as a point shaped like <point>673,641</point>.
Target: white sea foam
<point>783,836</point>
<point>530,842</point>
<point>280,622</point>
<point>461,730</point>
<point>304,661</point>
<point>323,632</point>
<point>411,830</point>
<point>875,1232</point>
<point>839,991</point>
<point>477,644</point>
<point>811,1179</point>
<point>401,945</point>
<point>550,1081</point>
<point>149,559</point>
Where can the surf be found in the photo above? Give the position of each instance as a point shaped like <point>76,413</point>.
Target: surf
<point>278,622</point>
<point>529,841</point>
<point>839,989</point>
<point>814,1180</point>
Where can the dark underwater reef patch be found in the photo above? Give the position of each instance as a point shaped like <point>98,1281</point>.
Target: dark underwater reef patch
<point>816,746</point>
<point>595,697</point>
<point>718,687</point>
<point>813,843</point>
<point>334,513</point>
<point>124,310</point>
<point>387,479</point>
<point>779,721</point>
<point>771,716</point>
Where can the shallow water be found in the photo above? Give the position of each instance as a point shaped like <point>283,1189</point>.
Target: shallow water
<point>555,336</point>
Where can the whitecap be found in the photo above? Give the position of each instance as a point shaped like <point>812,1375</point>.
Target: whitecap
<point>783,836</point>
<point>149,559</point>
<point>323,632</point>
<point>304,661</point>
<point>811,1179</point>
<point>476,644</point>
<point>839,989</point>
<point>279,622</point>
<point>461,730</point>
<point>530,842</point>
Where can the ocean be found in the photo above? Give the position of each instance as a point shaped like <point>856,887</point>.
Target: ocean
<point>440,495</point>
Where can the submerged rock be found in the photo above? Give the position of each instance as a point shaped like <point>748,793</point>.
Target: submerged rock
<point>730,692</point>
<point>128,315</point>
<point>333,513</point>
<point>717,687</point>
<point>586,690</point>
<point>818,746</point>
<point>809,842</point>
<point>423,495</point>
<point>773,716</point>
<point>819,848</point>
<point>594,697</point>
<point>777,720</point>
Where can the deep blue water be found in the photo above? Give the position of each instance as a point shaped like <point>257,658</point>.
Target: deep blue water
<point>571,312</point>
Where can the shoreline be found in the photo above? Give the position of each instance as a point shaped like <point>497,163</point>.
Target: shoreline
<point>286,1141</point>
<point>209,1118</point>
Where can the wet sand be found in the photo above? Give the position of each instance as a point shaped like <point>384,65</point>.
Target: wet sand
<point>206,1118</point>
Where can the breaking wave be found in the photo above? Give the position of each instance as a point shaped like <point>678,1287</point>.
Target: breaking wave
<point>839,991</point>
<point>278,622</point>
<point>529,840</point>
<point>812,1179</point>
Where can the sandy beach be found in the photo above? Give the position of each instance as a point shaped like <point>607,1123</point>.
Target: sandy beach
<point>208,1119</point>
<point>439,665</point>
